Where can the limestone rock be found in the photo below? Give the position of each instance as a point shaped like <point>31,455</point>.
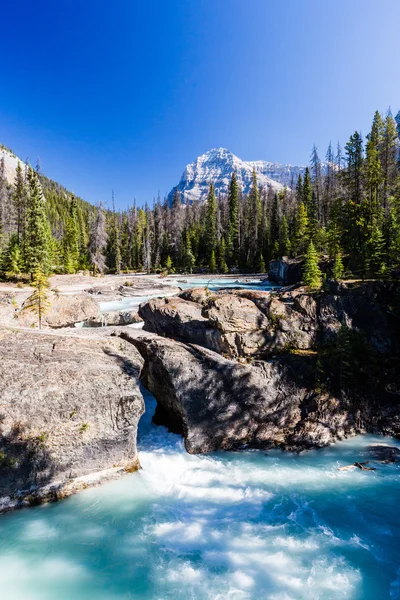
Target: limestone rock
<point>69,409</point>
<point>220,404</point>
<point>64,311</point>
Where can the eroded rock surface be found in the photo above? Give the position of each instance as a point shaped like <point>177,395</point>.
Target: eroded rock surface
<point>69,409</point>
<point>218,403</point>
<point>319,366</point>
<point>63,311</point>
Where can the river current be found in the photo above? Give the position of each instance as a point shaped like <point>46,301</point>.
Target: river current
<point>247,525</point>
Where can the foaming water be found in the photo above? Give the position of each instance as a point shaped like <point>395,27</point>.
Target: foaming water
<point>227,526</point>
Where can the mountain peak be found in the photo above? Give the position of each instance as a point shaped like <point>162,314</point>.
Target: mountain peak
<point>217,165</point>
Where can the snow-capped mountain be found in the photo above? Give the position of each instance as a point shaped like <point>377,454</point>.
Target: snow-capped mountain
<point>217,166</point>
<point>10,163</point>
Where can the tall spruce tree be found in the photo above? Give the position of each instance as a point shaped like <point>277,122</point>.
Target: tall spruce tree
<point>37,229</point>
<point>312,275</point>
<point>211,224</point>
<point>233,250</point>
<point>71,239</point>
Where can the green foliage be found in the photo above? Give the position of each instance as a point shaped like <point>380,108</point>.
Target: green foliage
<point>211,222</point>
<point>37,238</point>
<point>12,262</point>
<point>338,269</point>
<point>233,250</point>
<point>312,275</point>
<point>212,265</point>
<point>71,239</point>
<point>38,302</point>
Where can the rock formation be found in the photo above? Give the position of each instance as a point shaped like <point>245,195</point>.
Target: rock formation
<point>69,410</point>
<point>259,369</point>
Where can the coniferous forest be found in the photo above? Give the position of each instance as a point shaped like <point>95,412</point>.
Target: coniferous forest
<point>345,210</point>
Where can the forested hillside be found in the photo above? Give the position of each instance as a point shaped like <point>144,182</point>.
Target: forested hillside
<point>349,212</point>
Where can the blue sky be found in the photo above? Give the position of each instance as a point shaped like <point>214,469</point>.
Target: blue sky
<point>124,94</point>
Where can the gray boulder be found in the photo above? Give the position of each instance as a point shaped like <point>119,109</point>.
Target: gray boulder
<point>285,271</point>
<point>64,311</point>
<point>220,404</point>
<point>69,410</point>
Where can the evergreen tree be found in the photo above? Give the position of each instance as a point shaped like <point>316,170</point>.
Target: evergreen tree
<point>71,239</point>
<point>254,219</point>
<point>20,201</point>
<point>37,238</point>
<point>284,240</point>
<point>307,190</point>
<point>338,269</point>
<point>274,228</point>
<point>211,229</point>
<point>222,266</point>
<point>376,260</point>
<point>389,154</point>
<point>38,302</point>
<point>212,265</point>
<point>312,275</point>
<point>301,226</point>
<point>168,264</point>
<point>12,259</point>
<point>233,227</point>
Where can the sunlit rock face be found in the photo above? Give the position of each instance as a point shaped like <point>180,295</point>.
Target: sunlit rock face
<point>69,414</point>
<point>259,369</point>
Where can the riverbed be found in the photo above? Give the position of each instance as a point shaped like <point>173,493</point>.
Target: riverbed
<point>248,525</point>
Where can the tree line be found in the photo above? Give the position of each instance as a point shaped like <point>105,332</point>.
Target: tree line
<point>346,209</point>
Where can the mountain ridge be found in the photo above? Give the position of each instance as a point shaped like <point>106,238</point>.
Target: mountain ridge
<point>217,165</point>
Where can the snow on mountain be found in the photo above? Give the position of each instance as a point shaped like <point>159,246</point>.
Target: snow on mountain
<point>217,166</point>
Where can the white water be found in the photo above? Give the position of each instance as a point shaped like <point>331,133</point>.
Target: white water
<point>227,526</point>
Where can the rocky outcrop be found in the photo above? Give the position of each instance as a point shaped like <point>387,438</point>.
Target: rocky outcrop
<point>114,318</point>
<point>182,320</point>
<point>320,366</point>
<point>63,311</point>
<point>69,409</point>
<point>285,271</point>
<point>219,404</point>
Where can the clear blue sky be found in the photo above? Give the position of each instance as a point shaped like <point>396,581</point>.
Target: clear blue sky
<point>123,94</point>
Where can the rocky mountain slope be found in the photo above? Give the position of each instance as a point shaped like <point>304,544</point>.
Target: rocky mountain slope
<point>10,161</point>
<point>217,166</point>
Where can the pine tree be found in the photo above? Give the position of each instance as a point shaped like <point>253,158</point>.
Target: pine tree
<point>212,265</point>
<point>38,302</point>
<point>168,264</point>
<point>20,201</point>
<point>71,239</point>
<point>274,228</point>
<point>233,227</point>
<point>222,266</point>
<point>377,258</point>
<point>338,269</point>
<point>284,240</point>
<point>312,275</point>
<point>389,153</point>
<point>312,220</point>
<point>307,190</point>
<point>211,228</point>
<point>12,259</point>
<point>36,249</point>
<point>301,226</point>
